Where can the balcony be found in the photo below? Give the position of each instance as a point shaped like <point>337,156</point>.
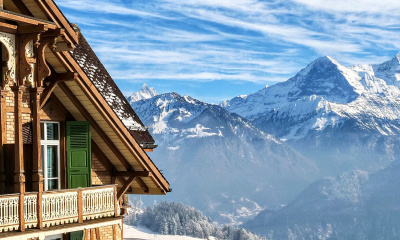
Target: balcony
<point>38,210</point>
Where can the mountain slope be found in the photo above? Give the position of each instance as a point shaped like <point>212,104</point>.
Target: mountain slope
<point>341,118</point>
<point>217,161</point>
<point>355,205</point>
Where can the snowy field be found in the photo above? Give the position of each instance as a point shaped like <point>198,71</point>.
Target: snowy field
<point>142,233</point>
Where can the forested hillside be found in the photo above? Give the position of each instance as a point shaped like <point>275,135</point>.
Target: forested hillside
<point>178,219</point>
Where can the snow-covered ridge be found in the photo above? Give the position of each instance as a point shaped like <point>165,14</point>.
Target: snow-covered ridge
<point>145,92</point>
<point>205,147</point>
<point>323,95</point>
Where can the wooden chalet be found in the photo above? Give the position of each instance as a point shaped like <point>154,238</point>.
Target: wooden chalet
<point>71,145</point>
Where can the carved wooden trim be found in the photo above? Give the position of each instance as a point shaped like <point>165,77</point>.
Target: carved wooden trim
<point>25,67</point>
<point>43,69</point>
<point>8,40</point>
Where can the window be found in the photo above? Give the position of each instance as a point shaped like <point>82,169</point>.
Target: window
<point>50,141</point>
<point>54,237</point>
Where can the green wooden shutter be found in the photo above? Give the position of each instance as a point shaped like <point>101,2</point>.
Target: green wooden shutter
<point>76,235</point>
<point>78,155</point>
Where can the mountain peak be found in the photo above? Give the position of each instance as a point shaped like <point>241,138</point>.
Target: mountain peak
<point>327,78</point>
<point>398,56</point>
<point>324,61</point>
<point>389,70</point>
<point>145,92</point>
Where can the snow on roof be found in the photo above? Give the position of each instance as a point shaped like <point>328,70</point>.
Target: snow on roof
<point>94,69</point>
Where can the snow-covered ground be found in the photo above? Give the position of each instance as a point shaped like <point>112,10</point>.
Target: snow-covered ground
<point>139,232</point>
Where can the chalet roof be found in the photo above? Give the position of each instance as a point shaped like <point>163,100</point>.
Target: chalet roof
<point>95,70</point>
<point>93,96</point>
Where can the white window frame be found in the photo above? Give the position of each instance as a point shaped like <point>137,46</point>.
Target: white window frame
<point>52,237</point>
<point>44,143</point>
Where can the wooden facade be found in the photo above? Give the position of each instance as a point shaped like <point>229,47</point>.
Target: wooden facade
<point>69,151</point>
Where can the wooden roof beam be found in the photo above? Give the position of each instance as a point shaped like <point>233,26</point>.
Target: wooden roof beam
<point>7,15</point>
<point>8,28</point>
<point>142,185</point>
<point>95,126</point>
<point>53,81</point>
<point>21,7</point>
<point>32,29</point>
<point>125,187</point>
<point>131,174</point>
<point>138,180</point>
<point>53,12</point>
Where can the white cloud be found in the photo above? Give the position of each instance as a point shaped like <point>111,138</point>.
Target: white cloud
<point>242,40</point>
<point>362,6</point>
<point>104,7</point>
<point>197,77</point>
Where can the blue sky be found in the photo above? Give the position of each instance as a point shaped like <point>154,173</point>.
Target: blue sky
<point>217,49</point>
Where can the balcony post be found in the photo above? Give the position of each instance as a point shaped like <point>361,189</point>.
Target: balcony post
<point>39,209</point>
<point>37,177</point>
<point>3,138</point>
<point>115,202</point>
<point>21,212</point>
<point>80,206</point>
<point>19,175</point>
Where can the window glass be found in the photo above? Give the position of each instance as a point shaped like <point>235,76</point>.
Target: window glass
<point>52,131</point>
<point>54,237</point>
<point>50,155</point>
<point>52,161</point>
<point>52,184</point>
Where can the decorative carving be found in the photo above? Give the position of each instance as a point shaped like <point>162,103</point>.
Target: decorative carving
<point>42,67</point>
<point>30,54</point>
<point>29,78</point>
<point>30,211</point>
<point>30,50</point>
<point>8,41</point>
<point>25,65</point>
<point>9,219</point>
<point>98,203</point>
<point>59,208</point>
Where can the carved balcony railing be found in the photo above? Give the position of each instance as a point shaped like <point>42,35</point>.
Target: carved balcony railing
<point>57,207</point>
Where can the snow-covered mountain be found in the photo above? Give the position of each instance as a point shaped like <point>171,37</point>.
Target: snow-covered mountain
<point>326,94</point>
<point>342,118</point>
<point>218,162</point>
<point>145,92</point>
<point>355,205</point>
